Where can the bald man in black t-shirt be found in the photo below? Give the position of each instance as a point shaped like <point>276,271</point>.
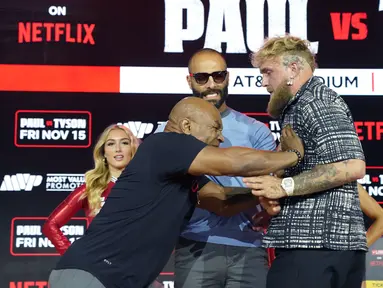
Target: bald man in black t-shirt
<point>131,239</point>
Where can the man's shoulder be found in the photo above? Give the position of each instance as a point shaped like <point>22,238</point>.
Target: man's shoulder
<point>323,108</point>
<point>243,119</point>
<point>319,92</point>
<point>319,97</point>
<point>168,138</point>
<point>323,103</point>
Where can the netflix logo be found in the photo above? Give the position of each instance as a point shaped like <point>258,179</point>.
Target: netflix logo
<point>28,284</point>
<point>64,32</point>
<point>56,32</point>
<point>369,130</point>
<point>342,23</point>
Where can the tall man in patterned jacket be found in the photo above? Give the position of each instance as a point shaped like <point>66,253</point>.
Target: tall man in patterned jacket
<point>319,234</point>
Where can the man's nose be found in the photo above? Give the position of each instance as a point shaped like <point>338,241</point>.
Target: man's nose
<point>210,83</point>
<point>265,83</point>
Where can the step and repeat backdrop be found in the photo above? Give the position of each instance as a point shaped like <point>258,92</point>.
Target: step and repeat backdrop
<point>69,68</point>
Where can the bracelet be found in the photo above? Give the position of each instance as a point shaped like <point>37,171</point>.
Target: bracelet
<point>299,155</point>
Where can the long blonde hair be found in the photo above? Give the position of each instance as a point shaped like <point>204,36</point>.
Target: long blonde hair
<point>97,179</point>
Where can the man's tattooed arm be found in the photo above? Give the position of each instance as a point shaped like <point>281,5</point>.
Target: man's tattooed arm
<point>328,176</point>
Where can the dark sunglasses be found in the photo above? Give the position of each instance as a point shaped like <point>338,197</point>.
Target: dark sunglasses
<point>202,78</point>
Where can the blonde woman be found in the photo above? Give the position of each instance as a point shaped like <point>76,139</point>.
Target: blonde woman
<point>113,151</point>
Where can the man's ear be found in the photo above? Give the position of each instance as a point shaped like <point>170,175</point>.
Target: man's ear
<point>188,79</point>
<point>295,69</point>
<point>185,126</point>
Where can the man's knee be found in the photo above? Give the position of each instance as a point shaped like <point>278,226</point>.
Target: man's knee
<point>73,278</point>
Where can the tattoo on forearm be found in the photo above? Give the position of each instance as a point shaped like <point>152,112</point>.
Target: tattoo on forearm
<point>320,178</point>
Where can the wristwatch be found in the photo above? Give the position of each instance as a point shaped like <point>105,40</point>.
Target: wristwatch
<point>288,185</point>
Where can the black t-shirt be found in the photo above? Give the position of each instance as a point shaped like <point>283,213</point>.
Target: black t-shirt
<point>129,242</point>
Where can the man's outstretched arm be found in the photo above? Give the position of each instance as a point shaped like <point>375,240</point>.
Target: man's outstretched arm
<point>337,149</point>
<point>324,177</point>
<point>225,201</point>
<point>320,178</point>
<point>240,161</point>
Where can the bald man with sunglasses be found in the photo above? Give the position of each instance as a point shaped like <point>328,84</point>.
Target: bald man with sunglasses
<point>222,250</point>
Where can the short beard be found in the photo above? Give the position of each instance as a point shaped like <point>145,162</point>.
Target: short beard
<point>223,93</point>
<point>279,100</point>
